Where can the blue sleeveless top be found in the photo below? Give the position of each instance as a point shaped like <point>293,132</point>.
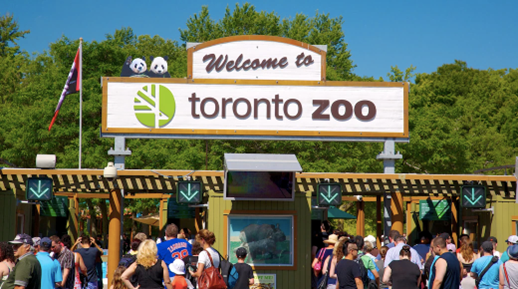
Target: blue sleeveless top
<point>452,277</point>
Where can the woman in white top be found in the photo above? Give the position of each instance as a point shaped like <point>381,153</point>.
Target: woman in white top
<point>6,261</point>
<point>206,239</point>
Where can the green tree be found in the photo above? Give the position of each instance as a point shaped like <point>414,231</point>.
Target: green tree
<point>246,20</point>
<point>9,34</point>
<point>396,75</point>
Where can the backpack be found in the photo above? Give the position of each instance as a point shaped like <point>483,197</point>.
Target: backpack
<point>232,278</point>
<point>367,282</point>
<point>225,267</point>
<point>210,277</point>
<point>127,260</point>
<point>192,259</point>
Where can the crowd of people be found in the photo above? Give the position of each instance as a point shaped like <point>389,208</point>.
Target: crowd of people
<point>177,262</point>
<point>339,261</point>
<point>344,261</point>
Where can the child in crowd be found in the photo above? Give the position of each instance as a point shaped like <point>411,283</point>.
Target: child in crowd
<point>117,281</point>
<point>245,272</point>
<point>179,281</point>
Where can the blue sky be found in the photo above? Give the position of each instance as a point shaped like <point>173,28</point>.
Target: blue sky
<point>425,34</point>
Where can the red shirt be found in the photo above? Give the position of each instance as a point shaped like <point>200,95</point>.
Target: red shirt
<point>179,282</point>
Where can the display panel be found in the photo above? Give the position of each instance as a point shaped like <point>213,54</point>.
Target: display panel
<point>259,185</point>
<point>268,239</point>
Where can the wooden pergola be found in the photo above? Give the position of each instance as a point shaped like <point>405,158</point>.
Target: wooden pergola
<point>161,184</point>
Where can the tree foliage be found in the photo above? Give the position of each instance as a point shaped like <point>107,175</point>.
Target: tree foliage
<point>461,119</point>
<point>9,34</point>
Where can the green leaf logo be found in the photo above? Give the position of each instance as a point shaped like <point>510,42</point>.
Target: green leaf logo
<point>154,106</point>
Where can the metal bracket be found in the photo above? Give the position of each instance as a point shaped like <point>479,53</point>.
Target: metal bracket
<point>200,206</point>
<point>26,202</point>
<point>492,210</point>
<point>119,148</point>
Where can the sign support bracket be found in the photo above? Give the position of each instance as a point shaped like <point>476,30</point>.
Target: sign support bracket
<point>200,206</point>
<point>119,152</point>
<point>389,159</point>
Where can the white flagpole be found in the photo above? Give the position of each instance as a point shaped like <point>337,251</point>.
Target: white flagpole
<point>80,97</point>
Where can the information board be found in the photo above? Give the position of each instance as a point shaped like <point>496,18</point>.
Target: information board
<point>434,210</point>
<point>264,281</point>
<point>57,207</point>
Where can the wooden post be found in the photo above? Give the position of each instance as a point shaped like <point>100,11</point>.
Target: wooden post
<point>409,226</point>
<point>115,232</point>
<point>398,216</point>
<point>161,218</point>
<point>379,229</point>
<point>197,220</point>
<point>454,220</point>
<point>360,219</point>
<point>36,221</point>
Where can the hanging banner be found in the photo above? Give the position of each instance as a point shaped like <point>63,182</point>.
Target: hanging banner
<point>57,207</point>
<point>180,108</point>
<point>434,210</point>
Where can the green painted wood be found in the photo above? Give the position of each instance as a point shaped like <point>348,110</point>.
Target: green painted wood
<point>7,215</point>
<point>298,278</point>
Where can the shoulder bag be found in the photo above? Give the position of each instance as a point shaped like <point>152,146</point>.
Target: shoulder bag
<point>210,277</point>
<point>479,277</point>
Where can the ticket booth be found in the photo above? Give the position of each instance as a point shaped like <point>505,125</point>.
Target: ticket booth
<point>261,210</point>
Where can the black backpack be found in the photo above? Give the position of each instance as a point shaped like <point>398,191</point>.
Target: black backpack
<point>189,264</point>
<point>225,267</point>
<point>367,282</point>
<point>127,260</point>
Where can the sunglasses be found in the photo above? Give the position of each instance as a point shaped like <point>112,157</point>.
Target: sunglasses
<point>16,246</point>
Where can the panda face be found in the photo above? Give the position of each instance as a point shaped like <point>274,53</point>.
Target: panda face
<point>138,66</point>
<point>159,65</point>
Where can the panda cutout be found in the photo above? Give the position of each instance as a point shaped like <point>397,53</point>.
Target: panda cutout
<point>158,67</point>
<point>126,68</point>
<point>139,67</point>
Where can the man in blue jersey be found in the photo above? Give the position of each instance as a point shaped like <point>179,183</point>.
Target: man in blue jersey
<point>173,248</point>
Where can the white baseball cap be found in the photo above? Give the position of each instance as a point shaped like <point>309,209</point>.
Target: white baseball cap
<point>370,239</point>
<point>177,267</point>
<point>512,239</point>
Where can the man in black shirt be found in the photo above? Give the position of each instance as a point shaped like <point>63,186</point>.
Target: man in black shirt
<point>246,274</point>
<point>347,271</point>
<point>89,254</point>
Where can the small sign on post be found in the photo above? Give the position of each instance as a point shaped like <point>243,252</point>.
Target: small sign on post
<point>473,196</point>
<point>39,189</point>
<point>329,194</point>
<point>189,192</point>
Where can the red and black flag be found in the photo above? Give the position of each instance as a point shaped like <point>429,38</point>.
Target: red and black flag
<point>73,84</point>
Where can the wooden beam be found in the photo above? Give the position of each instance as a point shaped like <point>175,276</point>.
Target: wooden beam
<point>408,212</point>
<point>115,232</point>
<point>396,207</point>
<point>379,229</point>
<point>454,219</point>
<point>197,219</point>
<point>360,219</point>
<point>107,196</point>
<point>354,199</point>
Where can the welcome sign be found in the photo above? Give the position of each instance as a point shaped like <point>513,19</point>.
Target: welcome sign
<point>256,57</point>
<point>254,87</point>
<point>180,107</point>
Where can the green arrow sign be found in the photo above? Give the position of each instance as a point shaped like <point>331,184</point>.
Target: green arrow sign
<point>39,189</point>
<point>473,197</point>
<point>189,192</point>
<point>329,194</point>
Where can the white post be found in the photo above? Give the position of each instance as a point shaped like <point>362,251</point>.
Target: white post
<point>80,98</point>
